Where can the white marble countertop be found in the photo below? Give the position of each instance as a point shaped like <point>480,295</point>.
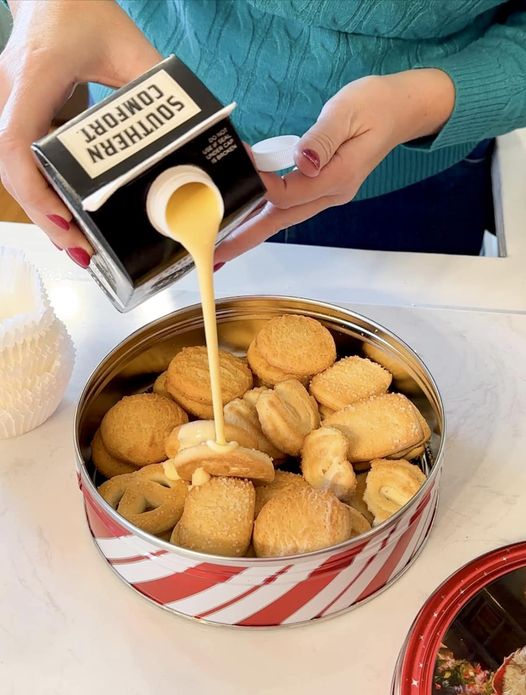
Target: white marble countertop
<point>68,624</point>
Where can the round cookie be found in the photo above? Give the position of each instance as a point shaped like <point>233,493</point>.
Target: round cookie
<point>217,518</point>
<point>189,375</point>
<point>204,411</point>
<point>349,380</point>
<point>267,374</point>
<point>301,521</point>
<point>104,462</point>
<point>296,345</point>
<point>135,428</point>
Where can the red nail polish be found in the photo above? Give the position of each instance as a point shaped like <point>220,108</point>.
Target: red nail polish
<point>59,221</point>
<point>312,157</point>
<point>218,266</point>
<point>80,256</point>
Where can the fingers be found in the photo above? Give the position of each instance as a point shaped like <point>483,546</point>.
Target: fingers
<point>303,197</point>
<point>297,189</point>
<point>19,173</point>
<point>72,42</point>
<point>320,143</point>
<point>42,205</point>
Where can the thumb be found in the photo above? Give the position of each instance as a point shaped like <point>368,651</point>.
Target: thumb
<point>319,144</point>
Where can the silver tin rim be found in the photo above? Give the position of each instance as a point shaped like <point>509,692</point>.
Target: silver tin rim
<point>320,310</point>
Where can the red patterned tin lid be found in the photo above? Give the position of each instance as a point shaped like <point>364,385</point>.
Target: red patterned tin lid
<point>470,636</point>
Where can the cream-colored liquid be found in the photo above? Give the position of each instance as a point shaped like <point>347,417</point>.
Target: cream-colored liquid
<point>193,215</point>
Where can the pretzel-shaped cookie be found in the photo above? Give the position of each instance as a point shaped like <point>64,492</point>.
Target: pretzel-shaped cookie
<point>148,499</point>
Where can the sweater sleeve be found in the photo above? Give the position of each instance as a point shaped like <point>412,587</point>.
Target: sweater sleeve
<point>489,77</point>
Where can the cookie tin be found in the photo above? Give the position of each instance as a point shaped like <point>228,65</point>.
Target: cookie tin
<point>470,636</point>
<point>254,592</point>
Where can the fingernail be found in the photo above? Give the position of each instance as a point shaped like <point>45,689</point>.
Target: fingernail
<point>59,221</point>
<point>218,266</point>
<point>312,157</point>
<point>80,256</point>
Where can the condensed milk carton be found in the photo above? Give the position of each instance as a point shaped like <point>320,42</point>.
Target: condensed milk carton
<point>117,164</point>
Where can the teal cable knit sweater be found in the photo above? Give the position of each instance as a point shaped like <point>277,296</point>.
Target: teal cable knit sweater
<point>281,60</point>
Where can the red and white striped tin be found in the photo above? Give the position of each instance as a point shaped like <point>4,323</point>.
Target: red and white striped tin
<point>437,619</point>
<point>253,592</point>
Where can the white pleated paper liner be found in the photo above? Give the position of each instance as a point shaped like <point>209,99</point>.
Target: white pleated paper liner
<point>25,311</point>
<point>36,352</point>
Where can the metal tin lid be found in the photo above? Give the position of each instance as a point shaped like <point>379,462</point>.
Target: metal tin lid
<point>275,154</point>
<point>470,636</point>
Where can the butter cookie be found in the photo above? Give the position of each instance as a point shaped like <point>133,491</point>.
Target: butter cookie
<point>297,345</point>
<point>188,379</point>
<point>146,498</point>
<point>379,427</point>
<point>325,464</point>
<point>266,373</point>
<point>104,462</point>
<point>349,380</point>
<point>356,499</point>
<point>283,482</point>
<point>240,413</point>
<point>287,414</point>
<point>301,521</point>
<point>202,431</point>
<point>360,524</point>
<point>159,386</point>
<point>218,518</point>
<point>390,485</point>
<point>230,461</point>
<point>135,428</point>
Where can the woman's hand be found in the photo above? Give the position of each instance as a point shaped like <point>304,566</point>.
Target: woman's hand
<point>356,129</point>
<point>53,46</point>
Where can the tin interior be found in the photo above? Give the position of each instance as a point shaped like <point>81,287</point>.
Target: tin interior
<point>133,366</point>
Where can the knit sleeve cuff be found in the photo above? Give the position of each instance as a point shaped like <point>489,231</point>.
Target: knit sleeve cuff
<point>482,94</point>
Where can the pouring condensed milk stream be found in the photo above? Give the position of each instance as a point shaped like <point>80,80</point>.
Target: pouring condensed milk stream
<point>193,211</point>
<point>184,204</point>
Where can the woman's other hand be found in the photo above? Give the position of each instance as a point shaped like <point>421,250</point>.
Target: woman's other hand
<point>356,129</point>
<point>54,45</point>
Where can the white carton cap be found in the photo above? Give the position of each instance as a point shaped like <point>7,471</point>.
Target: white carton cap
<point>276,153</point>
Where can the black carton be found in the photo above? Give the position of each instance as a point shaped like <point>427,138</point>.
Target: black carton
<point>103,162</point>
